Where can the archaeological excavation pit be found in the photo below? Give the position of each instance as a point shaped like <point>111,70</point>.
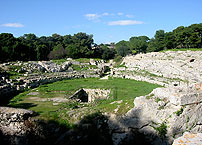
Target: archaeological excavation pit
<point>90,95</point>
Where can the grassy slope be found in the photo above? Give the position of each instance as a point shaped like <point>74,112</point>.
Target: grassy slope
<point>183,49</point>
<point>121,89</point>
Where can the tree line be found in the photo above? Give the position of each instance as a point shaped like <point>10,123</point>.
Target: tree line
<point>181,37</point>
<point>30,47</point>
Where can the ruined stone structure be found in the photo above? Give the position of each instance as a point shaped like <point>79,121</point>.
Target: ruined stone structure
<point>163,115</point>
<point>90,95</point>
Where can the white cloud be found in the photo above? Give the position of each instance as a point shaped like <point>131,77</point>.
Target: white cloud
<point>120,13</point>
<point>125,22</point>
<point>129,16</point>
<point>92,16</point>
<point>105,14</point>
<point>15,25</point>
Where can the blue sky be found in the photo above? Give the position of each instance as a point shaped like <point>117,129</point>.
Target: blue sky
<point>107,20</point>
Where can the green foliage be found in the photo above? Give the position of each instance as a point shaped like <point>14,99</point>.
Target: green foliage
<point>157,99</point>
<point>161,129</point>
<point>108,53</point>
<point>149,96</point>
<point>181,37</point>
<point>57,53</point>
<point>138,44</point>
<point>123,48</point>
<point>179,112</point>
<point>30,47</point>
<point>118,60</point>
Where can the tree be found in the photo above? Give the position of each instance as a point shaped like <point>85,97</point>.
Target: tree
<point>42,52</point>
<point>170,40</point>
<point>123,48</point>
<point>8,45</point>
<point>138,44</point>
<point>152,45</point>
<point>72,51</point>
<point>179,36</point>
<point>160,40</point>
<point>107,53</point>
<point>83,43</point>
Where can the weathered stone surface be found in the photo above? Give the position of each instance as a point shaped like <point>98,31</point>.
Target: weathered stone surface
<point>14,123</point>
<point>169,67</point>
<point>189,139</point>
<point>97,94</point>
<point>178,96</point>
<point>50,66</point>
<point>90,95</point>
<point>66,65</point>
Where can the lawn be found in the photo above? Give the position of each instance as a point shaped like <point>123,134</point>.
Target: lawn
<point>121,89</point>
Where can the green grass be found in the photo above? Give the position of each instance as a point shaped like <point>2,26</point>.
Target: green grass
<point>179,112</point>
<point>86,67</point>
<point>121,89</point>
<point>86,60</point>
<point>149,96</point>
<point>59,61</point>
<point>183,49</point>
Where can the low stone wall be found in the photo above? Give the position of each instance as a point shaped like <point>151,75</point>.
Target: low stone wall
<point>97,94</point>
<point>90,95</point>
<point>37,80</point>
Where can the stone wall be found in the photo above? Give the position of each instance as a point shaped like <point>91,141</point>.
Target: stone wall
<point>90,95</point>
<point>97,94</point>
<point>33,81</point>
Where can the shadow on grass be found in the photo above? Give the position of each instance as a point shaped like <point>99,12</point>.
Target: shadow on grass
<point>5,98</point>
<point>23,105</point>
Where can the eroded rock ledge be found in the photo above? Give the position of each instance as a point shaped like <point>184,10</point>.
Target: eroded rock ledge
<point>168,112</point>
<point>18,127</point>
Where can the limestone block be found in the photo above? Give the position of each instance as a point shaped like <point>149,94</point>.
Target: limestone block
<point>189,139</point>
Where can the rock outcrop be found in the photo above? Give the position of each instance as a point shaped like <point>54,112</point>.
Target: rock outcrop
<point>18,127</point>
<point>15,125</point>
<point>164,68</point>
<point>189,139</point>
<point>166,113</point>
